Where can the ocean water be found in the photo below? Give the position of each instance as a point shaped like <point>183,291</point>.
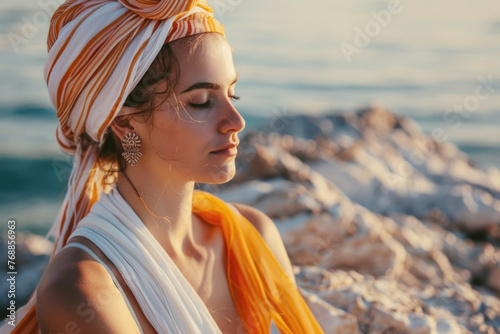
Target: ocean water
<point>436,62</point>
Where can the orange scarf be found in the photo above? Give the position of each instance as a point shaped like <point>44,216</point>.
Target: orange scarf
<point>260,288</point>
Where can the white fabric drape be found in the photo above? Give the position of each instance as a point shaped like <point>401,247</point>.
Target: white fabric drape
<point>165,296</point>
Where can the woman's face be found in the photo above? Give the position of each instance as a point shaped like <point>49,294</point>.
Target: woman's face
<point>185,130</point>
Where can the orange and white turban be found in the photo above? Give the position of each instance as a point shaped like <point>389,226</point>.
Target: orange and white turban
<point>98,50</point>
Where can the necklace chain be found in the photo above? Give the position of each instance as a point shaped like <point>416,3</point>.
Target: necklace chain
<point>142,200</point>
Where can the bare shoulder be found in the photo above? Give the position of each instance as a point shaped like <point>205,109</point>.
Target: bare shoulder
<point>77,294</point>
<point>269,232</point>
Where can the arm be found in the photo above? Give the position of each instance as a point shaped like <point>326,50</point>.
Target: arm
<point>270,234</point>
<point>77,295</point>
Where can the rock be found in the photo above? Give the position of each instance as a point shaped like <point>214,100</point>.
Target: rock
<point>493,280</point>
<point>380,305</point>
<point>331,319</point>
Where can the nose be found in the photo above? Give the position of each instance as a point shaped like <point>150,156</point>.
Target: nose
<point>231,119</point>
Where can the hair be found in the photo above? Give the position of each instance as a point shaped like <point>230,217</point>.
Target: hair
<point>142,98</point>
<point>165,68</point>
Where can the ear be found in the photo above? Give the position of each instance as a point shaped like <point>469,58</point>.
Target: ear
<point>121,126</point>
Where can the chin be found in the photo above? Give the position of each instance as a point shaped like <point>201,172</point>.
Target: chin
<point>220,176</point>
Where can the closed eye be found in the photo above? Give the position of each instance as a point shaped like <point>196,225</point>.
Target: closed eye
<point>206,105</point>
<point>201,106</point>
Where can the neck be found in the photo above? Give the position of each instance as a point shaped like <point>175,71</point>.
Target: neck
<point>166,197</point>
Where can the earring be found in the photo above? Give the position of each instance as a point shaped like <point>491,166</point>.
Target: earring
<point>131,150</point>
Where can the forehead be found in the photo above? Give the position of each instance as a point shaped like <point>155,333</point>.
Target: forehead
<point>205,58</point>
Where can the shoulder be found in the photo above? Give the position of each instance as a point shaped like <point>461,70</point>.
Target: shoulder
<point>77,294</point>
<point>269,232</point>
<point>261,221</point>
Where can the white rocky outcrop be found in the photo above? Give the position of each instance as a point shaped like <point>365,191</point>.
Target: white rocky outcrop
<point>383,223</point>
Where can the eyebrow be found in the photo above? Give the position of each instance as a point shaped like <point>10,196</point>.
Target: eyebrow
<point>206,85</point>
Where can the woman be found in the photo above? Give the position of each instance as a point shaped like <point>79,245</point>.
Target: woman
<point>144,93</point>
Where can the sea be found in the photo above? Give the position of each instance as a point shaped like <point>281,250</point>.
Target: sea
<point>436,62</point>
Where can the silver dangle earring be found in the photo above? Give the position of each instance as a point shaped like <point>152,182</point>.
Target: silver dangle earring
<point>131,148</point>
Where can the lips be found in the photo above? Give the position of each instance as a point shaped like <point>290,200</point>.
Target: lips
<point>226,147</point>
<point>227,151</point>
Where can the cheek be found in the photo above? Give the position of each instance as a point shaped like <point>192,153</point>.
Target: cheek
<point>185,142</point>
